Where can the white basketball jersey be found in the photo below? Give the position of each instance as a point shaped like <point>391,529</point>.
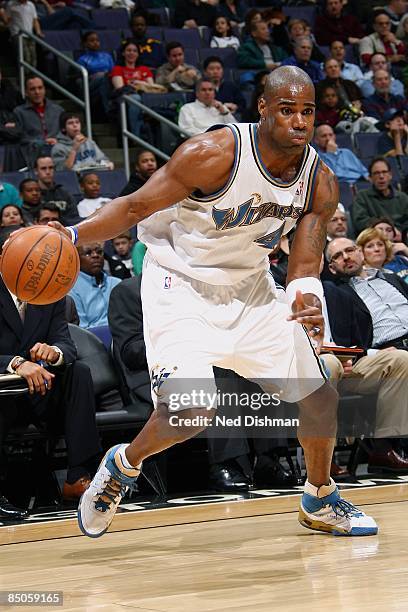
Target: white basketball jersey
<point>225,237</point>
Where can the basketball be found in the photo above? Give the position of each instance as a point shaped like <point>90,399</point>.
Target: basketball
<point>39,265</point>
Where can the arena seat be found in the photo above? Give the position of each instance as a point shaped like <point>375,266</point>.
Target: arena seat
<point>188,37</point>
<point>344,141</point>
<point>346,194</point>
<point>366,144</point>
<point>308,13</point>
<point>110,39</point>
<point>68,179</point>
<point>112,181</point>
<point>14,178</point>
<point>110,19</point>
<point>228,55</point>
<point>63,40</point>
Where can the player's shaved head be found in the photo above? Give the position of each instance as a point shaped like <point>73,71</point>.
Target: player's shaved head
<point>286,77</point>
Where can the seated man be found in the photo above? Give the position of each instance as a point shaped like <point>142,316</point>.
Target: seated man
<point>196,117</point>
<point>30,194</point>
<point>51,191</point>
<point>343,162</point>
<point>38,119</point>
<point>379,62</point>
<point>382,99</point>
<point>98,65</point>
<point>151,50</point>
<point>394,140</point>
<point>175,74</point>
<point>73,150</point>
<point>145,166</point>
<point>46,213</point>
<point>35,344</point>
<point>227,92</point>
<point>375,319</point>
<point>258,52</point>
<point>301,58</point>
<point>382,40</point>
<point>380,200</point>
<point>93,287</point>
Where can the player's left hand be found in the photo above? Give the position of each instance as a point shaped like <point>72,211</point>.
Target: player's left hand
<point>43,352</point>
<point>310,316</point>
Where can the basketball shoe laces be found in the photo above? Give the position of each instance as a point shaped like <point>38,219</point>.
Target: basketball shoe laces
<point>341,507</point>
<point>110,491</point>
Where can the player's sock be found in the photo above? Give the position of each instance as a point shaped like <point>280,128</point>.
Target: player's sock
<point>123,463</point>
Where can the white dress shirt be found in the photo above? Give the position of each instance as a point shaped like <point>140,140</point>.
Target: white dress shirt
<point>196,117</point>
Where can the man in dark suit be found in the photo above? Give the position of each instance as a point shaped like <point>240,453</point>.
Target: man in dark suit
<point>369,309</point>
<point>35,344</point>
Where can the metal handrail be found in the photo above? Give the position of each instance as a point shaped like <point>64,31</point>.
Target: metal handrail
<point>84,104</point>
<point>126,134</point>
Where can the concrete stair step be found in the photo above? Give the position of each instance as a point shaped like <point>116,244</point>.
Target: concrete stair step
<point>105,141</point>
<point>115,155</point>
<point>104,129</point>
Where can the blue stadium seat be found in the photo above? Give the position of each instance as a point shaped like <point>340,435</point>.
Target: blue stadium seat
<point>205,35</point>
<point>163,14</point>
<point>14,178</point>
<point>346,195</point>
<point>109,19</point>
<point>112,182</point>
<point>362,184</point>
<point>191,56</point>
<point>103,333</point>
<point>68,179</point>
<point>308,13</point>
<point>228,55</point>
<point>152,31</point>
<point>344,141</point>
<point>366,144</point>
<point>110,39</point>
<point>188,37</point>
<point>63,40</point>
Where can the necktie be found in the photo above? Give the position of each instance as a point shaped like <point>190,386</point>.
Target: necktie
<point>21,307</point>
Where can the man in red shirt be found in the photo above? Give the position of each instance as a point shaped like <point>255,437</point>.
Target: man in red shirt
<point>333,25</point>
<point>382,41</point>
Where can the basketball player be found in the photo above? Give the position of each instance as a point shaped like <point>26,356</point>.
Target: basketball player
<point>209,218</point>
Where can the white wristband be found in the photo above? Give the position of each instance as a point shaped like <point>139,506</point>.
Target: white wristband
<point>308,284</point>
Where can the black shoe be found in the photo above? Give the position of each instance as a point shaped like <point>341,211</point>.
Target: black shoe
<point>270,474</point>
<point>227,477</point>
<point>10,512</point>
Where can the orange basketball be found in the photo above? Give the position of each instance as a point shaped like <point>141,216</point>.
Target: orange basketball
<point>39,265</point>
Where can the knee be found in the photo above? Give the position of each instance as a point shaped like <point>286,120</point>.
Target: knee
<point>333,366</point>
<point>398,360</point>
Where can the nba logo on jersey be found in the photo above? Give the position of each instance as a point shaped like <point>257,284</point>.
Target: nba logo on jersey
<point>299,190</point>
<point>167,282</point>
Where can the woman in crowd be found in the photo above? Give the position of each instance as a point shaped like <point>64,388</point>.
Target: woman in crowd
<point>11,215</point>
<point>233,10</point>
<point>378,253</point>
<point>399,261</point>
<point>328,107</point>
<point>222,35</point>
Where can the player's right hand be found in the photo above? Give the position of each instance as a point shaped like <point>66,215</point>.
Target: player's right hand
<point>38,378</point>
<point>58,226</point>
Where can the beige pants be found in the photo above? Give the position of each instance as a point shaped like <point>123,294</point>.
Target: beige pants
<point>390,368</point>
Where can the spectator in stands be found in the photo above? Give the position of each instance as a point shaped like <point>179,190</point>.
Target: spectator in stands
<point>194,13</point>
<point>376,105</point>
<point>333,24</point>
<point>38,119</point>
<point>254,15</point>
<point>9,195</point>
<point>402,30</point>
<point>91,187</point>
<point>98,65</point>
<point>175,74</point>
<point>22,15</point>
<point>346,166</point>
<point>145,166</point>
<point>222,36</point>
<point>251,115</point>
<point>380,200</point>
<point>54,192</point>
<point>399,251</point>
<point>296,29</point>
<point>11,215</point>
<point>394,141</point>
<point>73,150</point>
<point>233,10</point>
<point>349,71</point>
<point>151,52</point>
<point>226,92</point>
<point>337,225</point>
<point>328,106</point>
<point>122,245</point>
<point>46,213</point>
<point>395,9</point>
<point>302,52</point>
<point>30,193</point>
<point>10,132</point>
<point>378,62</point>
<point>258,52</point>
<point>347,91</point>
<point>57,15</point>
<point>376,325</point>
<point>382,41</point>
<point>93,287</point>
<point>36,345</point>
<point>196,117</point>
<point>378,253</point>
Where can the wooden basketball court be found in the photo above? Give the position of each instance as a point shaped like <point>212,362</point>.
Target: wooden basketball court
<point>236,555</point>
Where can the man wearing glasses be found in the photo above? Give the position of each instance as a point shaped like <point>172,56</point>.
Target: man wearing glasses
<point>93,287</point>
<point>380,320</point>
<point>380,200</point>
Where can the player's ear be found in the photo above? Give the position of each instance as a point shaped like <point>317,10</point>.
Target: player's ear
<point>262,107</point>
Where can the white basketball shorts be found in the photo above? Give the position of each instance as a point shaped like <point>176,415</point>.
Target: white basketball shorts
<point>191,326</point>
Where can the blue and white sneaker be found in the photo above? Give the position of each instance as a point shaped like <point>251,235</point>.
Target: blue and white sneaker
<point>324,510</point>
<point>100,501</point>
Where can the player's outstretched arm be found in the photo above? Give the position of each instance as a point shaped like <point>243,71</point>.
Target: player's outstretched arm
<point>306,253</point>
<point>203,162</point>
